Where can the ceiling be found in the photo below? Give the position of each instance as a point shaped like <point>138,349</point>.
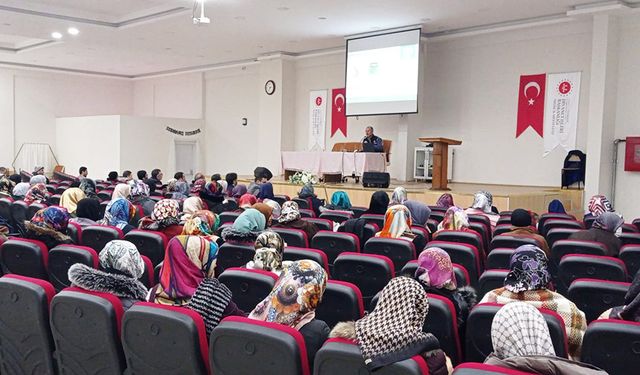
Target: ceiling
<point>140,37</point>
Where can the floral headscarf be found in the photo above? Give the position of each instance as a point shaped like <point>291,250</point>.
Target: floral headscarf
<point>139,188</point>
<point>118,213</point>
<point>269,251</point>
<point>435,269</point>
<point>52,218</point>
<point>483,200</point>
<point>70,198</point>
<point>201,223</point>
<point>399,196</point>
<point>122,257</point>
<point>290,212</point>
<point>247,200</point>
<point>198,186</point>
<point>340,200</point>
<point>397,223</point>
<point>445,200</point>
<point>294,298</point>
<point>121,191</point>
<point>166,212</point>
<point>38,193</point>
<point>187,261</point>
<point>528,270</point>
<point>89,187</point>
<point>609,221</point>
<point>519,329</point>
<point>599,204</point>
<point>454,219</point>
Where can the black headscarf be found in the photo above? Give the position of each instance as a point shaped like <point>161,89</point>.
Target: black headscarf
<point>89,208</point>
<point>379,203</point>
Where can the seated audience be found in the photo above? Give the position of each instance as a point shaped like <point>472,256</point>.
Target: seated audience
<point>87,212</point>
<point>238,191</point>
<point>556,207</point>
<point>482,205</point>
<point>112,178</point>
<point>37,193</point>
<point>378,204</point>
<point>120,268</point>
<point>276,209</point>
<point>293,302</point>
<point>397,224</point>
<point>528,280</point>
<point>246,201</point>
<point>89,187</point>
<point>202,223</point>
<point>140,196</point>
<point>392,332</point>
<point>598,204</point>
<point>339,202</point>
<point>522,227</point>
<point>445,200</point>
<point>232,182</point>
<point>121,191</point>
<point>20,190</point>
<point>245,228</point>
<point>119,213</point>
<point>142,175</point>
<point>420,212</point>
<point>70,198</point>
<point>399,196</point>
<point>190,206</point>
<point>290,218</point>
<point>261,176</point>
<point>308,193</point>
<point>156,177</point>
<point>265,210</point>
<point>49,225</point>
<point>127,176</point>
<point>455,219</point>
<point>269,252</point>
<point>630,311</point>
<point>603,230</point>
<point>165,218</point>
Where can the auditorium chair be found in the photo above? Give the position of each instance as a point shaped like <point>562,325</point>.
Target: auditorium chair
<point>33,208</point>
<point>86,331</point>
<point>5,209</point>
<point>564,247</point>
<point>490,280</point>
<point>148,275</point>
<point>442,322</point>
<point>304,213</point>
<point>485,233</point>
<point>25,257</point>
<point>101,186</point>
<point>333,244</point>
<point>164,340</point>
<point>369,231</point>
<point>505,213</point>
<point>321,224</point>
<point>303,203</point>
<point>292,236</point>
<point>636,222</point>
<point>629,228</point>
<point>358,211</point>
<point>612,345</point>
<point>480,219</point>
<point>478,336</point>
<point>579,266</point>
<point>51,188</point>
<point>629,238</point>
<point>588,221</point>
<point>500,258</point>
<point>27,345</point>
<point>472,238</point>
<point>398,250</point>
<point>242,346</point>
<point>472,368</point>
<point>437,209</point>
<point>74,231</point>
<point>432,225</point>
<point>96,236</point>
<point>510,242</point>
<point>336,216</point>
<point>461,274</point>
<point>341,302</point>
<point>292,253</point>
<point>504,220</point>
<point>342,356</point>
<point>233,255</point>
<point>104,195</point>
<point>149,243</point>
<point>369,272</point>
<point>560,223</point>
<point>281,199</point>
<point>550,216</point>
<point>501,229</point>
<point>62,257</point>
<point>463,254</point>
<point>437,216</point>
<point>593,297</point>
<point>558,234</point>
<point>248,286</point>
<point>222,227</point>
<point>422,237</point>
<point>374,219</point>
<point>19,213</point>
<point>630,255</point>
<point>228,217</point>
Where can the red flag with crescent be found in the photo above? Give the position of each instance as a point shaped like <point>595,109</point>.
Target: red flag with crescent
<point>531,103</point>
<point>338,118</point>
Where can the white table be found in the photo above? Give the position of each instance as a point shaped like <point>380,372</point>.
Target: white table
<point>345,163</point>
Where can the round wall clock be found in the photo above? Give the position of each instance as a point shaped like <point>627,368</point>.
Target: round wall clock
<point>270,87</point>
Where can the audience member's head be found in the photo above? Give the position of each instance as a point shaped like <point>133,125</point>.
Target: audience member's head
<point>15,178</point>
<point>113,176</point>
<point>231,178</point>
<point>166,212</point>
<point>378,203</point>
<point>139,189</point>
<point>556,207</point>
<point>239,190</point>
<point>455,219</point>
<point>247,200</point>
<point>88,208</point>
<point>528,270</point>
<point>121,191</point>
<point>340,200</point>
<point>89,187</point>
<point>127,175</point>
<point>142,175</point>
<point>609,221</point>
<point>38,170</point>
<point>52,221</point>
<point>290,212</point>
<point>445,200</point>
<point>37,193</point>
<point>179,176</point>
<point>397,223</point>
<point>191,205</point>
<point>3,171</point>
<point>265,210</point>
<point>262,174</point>
<point>70,199</point>
<point>37,179</point>
<point>122,258</point>
<point>269,252</point>
<point>599,204</point>
<point>118,213</point>
<point>420,212</point>
<point>519,329</point>
<point>276,210</point>
<point>201,223</point>
<point>306,191</point>
<point>399,196</point>
<point>520,218</point>
<point>83,172</point>
<point>157,174</point>
<point>21,189</point>
<point>216,177</point>
<point>246,227</point>
<point>435,269</point>
<point>483,200</point>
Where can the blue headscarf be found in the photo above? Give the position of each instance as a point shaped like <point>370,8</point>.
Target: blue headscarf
<point>340,200</point>
<point>555,206</point>
<point>118,213</point>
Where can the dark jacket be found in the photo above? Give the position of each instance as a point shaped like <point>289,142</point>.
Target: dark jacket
<point>49,237</point>
<point>544,365</point>
<point>376,141</point>
<point>314,333</point>
<point>528,232</point>
<point>608,239</point>
<point>316,203</point>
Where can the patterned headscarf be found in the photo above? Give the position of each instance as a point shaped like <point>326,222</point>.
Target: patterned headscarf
<point>269,250</point>
<point>247,200</point>
<point>599,204</point>
<point>89,187</point>
<point>420,212</point>
<point>340,200</point>
<point>399,196</point>
<point>483,200</point>
<point>6,185</point>
<point>191,205</point>
<point>21,189</point>
<point>122,257</point>
<point>38,193</point>
<point>294,298</point>
<point>435,269</point>
<point>201,223</point>
<point>139,188</point>
<point>379,203</point>
<point>519,329</point>
<point>37,179</point>
<point>397,222</point>
<point>527,270</point>
<point>52,218</point>
<point>118,213</point>
<point>609,221</point>
<point>445,200</point>
<point>393,330</point>
<point>239,190</point>
<point>454,219</point>
<point>276,210</point>
<point>182,187</point>
<point>172,185</point>
<point>121,191</point>
<point>198,186</point>
<point>166,212</point>
<point>187,261</point>
<point>70,198</point>
<point>290,212</point>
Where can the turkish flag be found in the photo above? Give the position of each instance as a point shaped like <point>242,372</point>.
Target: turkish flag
<point>338,118</point>
<point>531,103</point>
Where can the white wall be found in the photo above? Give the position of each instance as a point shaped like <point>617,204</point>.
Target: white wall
<point>177,96</point>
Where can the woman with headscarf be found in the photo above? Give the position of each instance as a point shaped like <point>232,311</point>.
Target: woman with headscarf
<point>290,218</point>
<point>556,207</point>
<point>379,203</point>
<point>198,185</point>
<point>392,332</point>
<point>165,218</point>
<point>119,213</point>
<point>339,202</point>
<point>265,210</point>
<point>455,219</point>
<point>399,196</point>
<point>245,228</point>
<point>70,198</point>
<point>20,190</point>
<point>630,311</point>
<point>521,341</point>
<point>307,192</point>
<point>435,274</point>
<point>603,230</point>
<point>120,268</point>
<point>482,205</point>
<point>397,224</point>
<point>140,196</point>
<point>49,225</point>
<point>202,223</point>
<point>190,206</point>
<point>420,212</point>
<point>121,191</point>
<point>6,185</point>
<point>238,191</point>
<point>37,179</point>
<point>38,193</point>
<point>528,280</point>
<point>293,302</point>
<point>89,187</point>
<point>87,212</point>
<point>269,252</point>
<point>174,191</point>
<point>598,204</point>
<point>246,201</point>
<point>445,200</point>
<point>276,209</point>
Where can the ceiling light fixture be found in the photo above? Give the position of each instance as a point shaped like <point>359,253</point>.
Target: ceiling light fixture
<point>73,31</point>
<point>56,35</point>
<point>201,19</point>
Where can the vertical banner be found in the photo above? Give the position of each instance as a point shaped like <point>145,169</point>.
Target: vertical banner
<point>561,111</point>
<point>317,118</point>
<point>531,103</point>
<point>338,117</point>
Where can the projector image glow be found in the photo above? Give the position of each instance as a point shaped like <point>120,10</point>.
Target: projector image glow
<point>201,20</point>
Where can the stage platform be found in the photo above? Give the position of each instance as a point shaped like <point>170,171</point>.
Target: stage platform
<point>505,197</point>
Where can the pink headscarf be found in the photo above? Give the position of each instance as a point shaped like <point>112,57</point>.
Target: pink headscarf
<point>435,269</point>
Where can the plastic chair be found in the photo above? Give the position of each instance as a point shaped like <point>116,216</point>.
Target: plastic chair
<point>248,286</point>
<point>62,257</point>
<point>593,297</point>
<point>97,236</point>
<point>398,250</point>
<point>342,301</point>
<point>463,254</point>
<point>369,272</point>
<point>612,345</point>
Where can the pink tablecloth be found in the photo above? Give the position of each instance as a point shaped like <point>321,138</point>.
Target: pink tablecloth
<point>346,163</point>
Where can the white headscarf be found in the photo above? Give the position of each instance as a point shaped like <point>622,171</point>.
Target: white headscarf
<point>483,200</point>
<point>519,329</point>
<point>121,191</point>
<point>21,189</point>
<point>399,196</point>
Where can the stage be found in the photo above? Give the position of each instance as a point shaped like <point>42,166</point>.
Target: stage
<point>505,197</point>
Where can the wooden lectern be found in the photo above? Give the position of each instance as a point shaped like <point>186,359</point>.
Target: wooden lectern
<point>440,160</point>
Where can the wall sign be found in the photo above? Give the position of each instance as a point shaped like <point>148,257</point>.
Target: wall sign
<point>183,133</point>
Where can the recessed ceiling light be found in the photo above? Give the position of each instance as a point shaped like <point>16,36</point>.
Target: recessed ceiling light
<point>73,31</point>
<point>167,49</point>
<point>56,35</point>
<point>322,18</point>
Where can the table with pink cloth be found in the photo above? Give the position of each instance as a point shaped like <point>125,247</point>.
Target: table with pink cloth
<point>345,163</point>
